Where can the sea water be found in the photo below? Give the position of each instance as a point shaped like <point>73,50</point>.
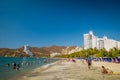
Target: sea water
<point>26,65</point>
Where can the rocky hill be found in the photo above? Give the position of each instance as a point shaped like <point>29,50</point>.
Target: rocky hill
<point>39,52</point>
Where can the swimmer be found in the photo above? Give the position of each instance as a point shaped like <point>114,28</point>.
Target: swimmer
<point>14,65</point>
<point>8,65</point>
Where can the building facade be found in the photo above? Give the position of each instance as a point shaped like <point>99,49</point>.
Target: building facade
<point>92,41</point>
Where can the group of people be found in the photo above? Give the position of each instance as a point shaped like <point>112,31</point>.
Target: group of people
<point>70,59</point>
<point>89,64</point>
<point>103,70</point>
<point>15,65</point>
<point>18,65</point>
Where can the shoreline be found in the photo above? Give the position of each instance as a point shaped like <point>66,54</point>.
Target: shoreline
<point>63,70</point>
<point>27,65</point>
<point>45,67</point>
<point>39,69</point>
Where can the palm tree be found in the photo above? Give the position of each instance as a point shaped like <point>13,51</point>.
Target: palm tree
<point>114,52</point>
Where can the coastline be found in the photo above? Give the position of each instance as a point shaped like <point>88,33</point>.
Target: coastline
<point>39,69</point>
<point>63,70</point>
<point>15,68</point>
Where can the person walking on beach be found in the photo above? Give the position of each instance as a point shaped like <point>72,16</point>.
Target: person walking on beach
<point>89,63</point>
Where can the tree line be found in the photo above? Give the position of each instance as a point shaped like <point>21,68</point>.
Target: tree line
<point>94,52</point>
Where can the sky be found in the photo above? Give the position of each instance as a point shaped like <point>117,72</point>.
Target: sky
<point>56,22</point>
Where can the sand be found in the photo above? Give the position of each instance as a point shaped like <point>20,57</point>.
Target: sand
<point>63,70</point>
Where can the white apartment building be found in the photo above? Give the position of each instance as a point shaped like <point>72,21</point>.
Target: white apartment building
<point>92,41</point>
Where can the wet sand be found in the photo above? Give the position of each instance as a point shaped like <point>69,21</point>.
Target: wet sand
<point>72,71</point>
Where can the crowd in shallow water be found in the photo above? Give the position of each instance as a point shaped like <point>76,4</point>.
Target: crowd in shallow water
<point>19,65</point>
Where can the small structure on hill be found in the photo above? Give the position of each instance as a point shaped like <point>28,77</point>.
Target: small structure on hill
<point>27,50</point>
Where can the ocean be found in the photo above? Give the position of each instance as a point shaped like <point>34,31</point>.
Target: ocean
<point>11,68</point>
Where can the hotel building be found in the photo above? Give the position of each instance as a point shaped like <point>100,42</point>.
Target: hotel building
<point>92,41</point>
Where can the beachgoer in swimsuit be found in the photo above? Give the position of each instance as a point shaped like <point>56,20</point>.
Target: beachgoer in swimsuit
<point>104,70</point>
<point>18,66</point>
<point>89,63</point>
<point>14,65</point>
<point>8,65</point>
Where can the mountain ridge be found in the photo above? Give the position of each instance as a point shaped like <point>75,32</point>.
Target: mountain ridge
<point>37,51</point>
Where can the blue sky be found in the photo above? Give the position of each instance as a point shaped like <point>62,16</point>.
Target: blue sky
<point>56,22</point>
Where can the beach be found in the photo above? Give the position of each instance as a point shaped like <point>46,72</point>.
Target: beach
<point>63,70</point>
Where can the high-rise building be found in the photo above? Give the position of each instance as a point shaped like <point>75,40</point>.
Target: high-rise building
<point>92,41</point>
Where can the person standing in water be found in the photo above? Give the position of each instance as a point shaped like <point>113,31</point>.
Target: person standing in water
<point>14,65</point>
<point>18,66</point>
<point>8,65</point>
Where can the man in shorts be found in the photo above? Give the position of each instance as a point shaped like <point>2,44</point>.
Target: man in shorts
<point>89,63</point>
